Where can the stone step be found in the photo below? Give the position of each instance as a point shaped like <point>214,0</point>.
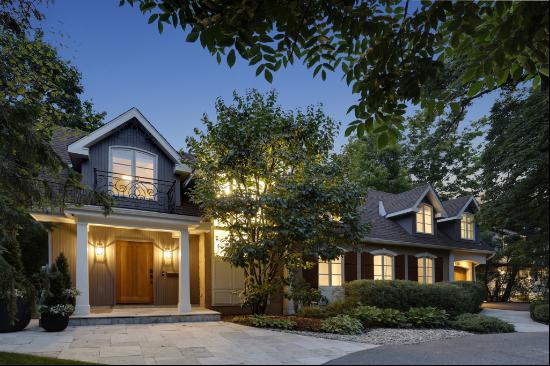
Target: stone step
<point>120,318</point>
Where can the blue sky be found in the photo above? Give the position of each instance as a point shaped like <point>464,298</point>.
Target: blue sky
<point>126,63</point>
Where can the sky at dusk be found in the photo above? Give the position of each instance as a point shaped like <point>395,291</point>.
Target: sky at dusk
<point>126,63</point>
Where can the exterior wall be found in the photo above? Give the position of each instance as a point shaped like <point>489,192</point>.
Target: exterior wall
<point>131,135</point>
<point>102,270</point>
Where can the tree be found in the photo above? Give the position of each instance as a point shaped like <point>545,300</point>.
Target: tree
<point>444,154</point>
<point>265,176</point>
<point>515,179</point>
<point>389,51</point>
<point>369,166</point>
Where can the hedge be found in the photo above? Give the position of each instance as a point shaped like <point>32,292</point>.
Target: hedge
<point>539,311</point>
<point>481,324</point>
<point>455,298</point>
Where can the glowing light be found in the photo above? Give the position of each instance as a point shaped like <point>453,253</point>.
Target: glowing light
<point>99,251</point>
<point>167,254</point>
<point>126,177</point>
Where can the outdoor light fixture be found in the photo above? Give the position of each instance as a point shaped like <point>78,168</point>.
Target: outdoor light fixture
<point>99,250</point>
<point>167,254</point>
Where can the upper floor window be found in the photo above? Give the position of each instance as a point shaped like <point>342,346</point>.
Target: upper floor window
<point>383,267</point>
<point>425,270</point>
<point>467,226</point>
<point>424,219</point>
<point>330,272</point>
<point>133,173</point>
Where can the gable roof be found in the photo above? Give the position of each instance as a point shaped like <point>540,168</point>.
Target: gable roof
<point>456,207</point>
<point>386,230</point>
<point>407,202</point>
<point>81,146</point>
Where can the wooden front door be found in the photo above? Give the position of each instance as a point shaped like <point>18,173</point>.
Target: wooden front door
<point>134,268</point>
<point>461,274</point>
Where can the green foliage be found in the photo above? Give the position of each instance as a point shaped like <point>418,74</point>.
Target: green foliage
<point>390,54</point>
<point>266,321</point>
<point>54,286</point>
<point>302,294</point>
<point>377,168</point>
<point>403,295</point>
<point>427,317</point>
<point>481,324</point>
<point>265,175</point>
<point>62,265</point>
<point>539,311</point>
<point>313,312</point>
<point>337,307</point>
<point>515,183</point>
<point>371,316</point>
<point>342,324</point>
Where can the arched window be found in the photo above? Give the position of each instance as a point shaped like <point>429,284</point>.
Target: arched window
<point>467,230</point>
<point>424,219</point>
<point>383,267</point>
<point>133,173</point>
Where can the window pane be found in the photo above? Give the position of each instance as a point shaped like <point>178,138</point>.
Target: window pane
<point>388,260</point>
<point>145,161</point>
<point>336,280</point>
<point>378,260</point>
<point>323,280</point>
<point>122,156</point>
<point>336,268</point>
<point>388,272</point>
<point>323,268</point>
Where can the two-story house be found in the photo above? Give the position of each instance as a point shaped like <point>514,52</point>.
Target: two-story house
<point>155,249</point>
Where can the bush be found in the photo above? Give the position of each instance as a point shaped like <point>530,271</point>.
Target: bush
<point>338,307</point>
<point>308,324</point>
<point>312,312</point>
<point>342,324</point>
<point>371,316</point>
<point>265,321</point>
<point>427,317</point>
<point>481,324</point>
<point>540,313</point>
<point>455,298</point>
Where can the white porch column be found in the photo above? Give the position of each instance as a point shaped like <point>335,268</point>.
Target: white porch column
<point>451,267</point>
<point>82,282</point>
<point>184,291</point>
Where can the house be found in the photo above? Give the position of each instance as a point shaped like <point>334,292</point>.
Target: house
<point>413,235</point>
<point>154,248</point>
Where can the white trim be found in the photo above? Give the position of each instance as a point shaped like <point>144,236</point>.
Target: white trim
<point>459,215</point>
<point>81,147</point>
<point>384,251</point>
<point>414,208</point>
<point>426,254</point>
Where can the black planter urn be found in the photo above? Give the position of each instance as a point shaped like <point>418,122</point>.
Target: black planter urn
<point>54,322</point>
<point>22,316</point>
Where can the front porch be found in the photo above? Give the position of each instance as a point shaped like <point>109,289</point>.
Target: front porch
<point>122,314</point>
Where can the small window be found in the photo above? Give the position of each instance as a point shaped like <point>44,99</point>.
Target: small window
<point>425,270</point>
<point>133,173</point>
<point>467,229</point>
<point>424,219</point>
<point>330,272</point>
<point>383,267</point>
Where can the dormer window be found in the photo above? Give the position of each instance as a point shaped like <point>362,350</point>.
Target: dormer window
<point>424,219</point>
<point>467,226</point>
<point>133,173</point>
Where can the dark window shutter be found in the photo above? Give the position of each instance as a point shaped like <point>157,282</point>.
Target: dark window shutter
<point>350,266</point>
<point>439,269</point>
<point>311,276</point>
<point>367,266</point>
<point>413,268</point>
<point>400,267</point>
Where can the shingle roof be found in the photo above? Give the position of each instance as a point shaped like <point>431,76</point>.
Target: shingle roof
<point>402,201</point>
<point>63,137</point>
<point>454,206</point>
<point>387,229</point>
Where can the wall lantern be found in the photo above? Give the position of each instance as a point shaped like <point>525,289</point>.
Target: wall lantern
<point>99,251</point>
<point>168,254</point>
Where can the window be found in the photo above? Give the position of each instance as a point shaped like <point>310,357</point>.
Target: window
<point>424,222</point>
<point>467,226</point>
<point>383,267</point>
<point>133,173</point>
<point>425,270</point>
<point>330,272</point>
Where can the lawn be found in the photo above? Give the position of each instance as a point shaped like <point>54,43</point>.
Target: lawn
<point>22,359</point>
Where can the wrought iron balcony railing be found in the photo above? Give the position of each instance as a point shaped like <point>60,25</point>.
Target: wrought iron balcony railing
<point>126,192</point>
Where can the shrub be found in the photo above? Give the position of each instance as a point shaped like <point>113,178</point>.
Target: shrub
<point>265,321</point>
<point>338,307</point>
<point>308,324</point>
<point>371,316</point>
<point>539,311</point>
<point>455,298</point>
<point>342,324</point>
<point>481,324</point>
<point>427,317</point>
<point>312,312</point>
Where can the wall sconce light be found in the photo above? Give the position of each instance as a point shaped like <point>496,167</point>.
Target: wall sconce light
<point>99,252</point>
<point>168,254</point>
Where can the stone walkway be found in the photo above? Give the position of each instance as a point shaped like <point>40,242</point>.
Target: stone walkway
<point>177,343</point>
<point>521,320</point>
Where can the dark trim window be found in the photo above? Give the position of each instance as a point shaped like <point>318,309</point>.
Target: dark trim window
<point>424,219</point>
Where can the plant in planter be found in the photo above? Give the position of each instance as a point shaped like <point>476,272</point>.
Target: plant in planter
<point>57,297</point>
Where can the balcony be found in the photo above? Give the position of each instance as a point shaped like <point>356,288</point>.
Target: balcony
<point>125,191</point>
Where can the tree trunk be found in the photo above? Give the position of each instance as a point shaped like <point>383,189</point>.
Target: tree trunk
<point>510,283</point>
